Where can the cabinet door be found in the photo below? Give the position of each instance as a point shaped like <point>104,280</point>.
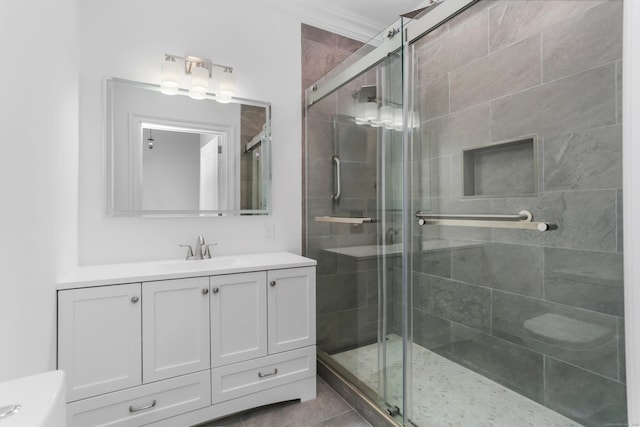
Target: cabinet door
<point>292,308</point>
<point>175,328</point>
<point>99,339</point>
<point>238,317</point>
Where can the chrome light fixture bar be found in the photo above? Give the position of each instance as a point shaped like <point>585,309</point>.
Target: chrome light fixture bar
<point>201,71</point>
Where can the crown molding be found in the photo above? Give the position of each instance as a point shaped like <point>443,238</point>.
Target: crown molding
<point>341,21</point>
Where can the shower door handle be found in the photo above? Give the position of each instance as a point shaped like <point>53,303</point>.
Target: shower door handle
<point>336,186</point>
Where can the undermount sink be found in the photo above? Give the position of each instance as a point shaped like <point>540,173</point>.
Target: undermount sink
<point>201,264</point>
<point>34,401</point>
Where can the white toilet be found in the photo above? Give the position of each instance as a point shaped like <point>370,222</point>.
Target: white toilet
<point>33,401</point>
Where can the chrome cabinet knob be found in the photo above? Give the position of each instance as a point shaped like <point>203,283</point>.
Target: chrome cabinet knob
<point>205,291</point>
<point>135,299</point>
<point>215,290</point>
<point>272,283</point>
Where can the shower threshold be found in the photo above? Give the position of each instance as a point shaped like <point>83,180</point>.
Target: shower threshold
<point>447,394</point>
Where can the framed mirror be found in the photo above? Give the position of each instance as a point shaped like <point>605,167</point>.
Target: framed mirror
<point>177,156</point>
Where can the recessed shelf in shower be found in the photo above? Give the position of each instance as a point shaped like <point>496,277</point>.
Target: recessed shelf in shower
<point>503,170</point>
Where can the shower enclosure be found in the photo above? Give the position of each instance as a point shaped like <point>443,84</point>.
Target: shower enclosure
<point>463,200</point>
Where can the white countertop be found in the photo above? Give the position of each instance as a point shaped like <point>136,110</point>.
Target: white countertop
<point>111,274</point>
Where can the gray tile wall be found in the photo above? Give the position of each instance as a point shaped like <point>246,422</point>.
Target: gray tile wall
<point>347,288</point>
<point>541,313</point>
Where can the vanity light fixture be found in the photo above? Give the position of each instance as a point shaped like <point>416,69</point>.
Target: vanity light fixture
<point>201,72</point>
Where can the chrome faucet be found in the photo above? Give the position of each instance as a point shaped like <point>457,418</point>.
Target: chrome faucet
<point>202,249</point>
<point>390,235</point>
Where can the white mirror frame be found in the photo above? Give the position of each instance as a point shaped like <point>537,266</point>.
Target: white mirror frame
<point>232,174</point>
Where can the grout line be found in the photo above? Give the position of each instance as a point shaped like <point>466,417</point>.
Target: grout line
<point>541,58</point>
<point>618,351</point>
<point>544,380</point>
<point>616,92</point>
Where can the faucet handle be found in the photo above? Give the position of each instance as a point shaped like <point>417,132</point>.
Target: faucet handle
<point>189,251</point>
<point>207,252</point>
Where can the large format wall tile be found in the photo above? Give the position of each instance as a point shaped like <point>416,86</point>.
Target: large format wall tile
<point>508,364</point>
<point>512,21</point>
<point>585,42</point>
<point>456,301</point>
<point>358,180</point>
<point>433,97</point>
<point>621,351</point>
<point>507,71</point>
<point>619,91</point>
<point>428,260</point>
<point>586,220</point>
<point>581,101</point>
<point>512,268</point>
<point>320,135</point>
<point>591,280</point>
<point>431,332</point>
<point>587,398</point>
<point>580,337</point>
<point>449,134</point>
<point>584,160</point>
<point>339,292</point>
<point>353,143</point>
<point>435,57</point>
<point>358,327</point>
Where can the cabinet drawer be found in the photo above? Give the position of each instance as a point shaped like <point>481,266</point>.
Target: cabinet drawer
<point>232,381</point>
<point>143,404</point>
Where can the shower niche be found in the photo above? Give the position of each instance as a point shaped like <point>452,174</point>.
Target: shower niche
<point>505,169</point>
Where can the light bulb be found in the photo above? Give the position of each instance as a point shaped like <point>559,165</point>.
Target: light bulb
<point>359,116</point>
<point>199,82</point>
<point>386,115</point>
<point>397,118</point>
<point>227,87</point>
<point>169,76</point>
<point>371,111</point>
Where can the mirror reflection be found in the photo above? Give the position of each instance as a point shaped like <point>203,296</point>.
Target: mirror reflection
<point>172,155</point>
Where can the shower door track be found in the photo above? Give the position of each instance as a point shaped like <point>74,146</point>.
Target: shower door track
<point>414,29</point>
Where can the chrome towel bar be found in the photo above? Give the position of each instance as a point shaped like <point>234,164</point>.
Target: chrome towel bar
<point>336,162</point>
<point>521,220</point>
<point>343,220</point>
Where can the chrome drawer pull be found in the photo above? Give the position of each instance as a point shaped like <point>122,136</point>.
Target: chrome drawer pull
<point>142,408</point>
<point>261,375</point>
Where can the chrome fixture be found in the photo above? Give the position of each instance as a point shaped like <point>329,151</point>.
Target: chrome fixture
<point>336,162</point>
<point>202,249</point>
<point>150,139</point>
<point>201,71</point>
<point>390,236</point>
<point>373,111</point>
<point>521,220</point>
<point>6,411</point>
<point>344,220</point>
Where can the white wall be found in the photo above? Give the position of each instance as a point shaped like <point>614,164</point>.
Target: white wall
<point>126,39</point>
<point>631,176</point>
<point>38,175</point>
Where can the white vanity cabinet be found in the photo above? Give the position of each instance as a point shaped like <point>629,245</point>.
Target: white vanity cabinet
<point>181,347</point>
<point>238,317</point>
<point>291,308</point>
<point>99,334</point>
<point>175,328</point>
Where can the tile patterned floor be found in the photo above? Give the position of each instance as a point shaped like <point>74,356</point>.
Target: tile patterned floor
<point>446,394</point>
<point>328,409</point>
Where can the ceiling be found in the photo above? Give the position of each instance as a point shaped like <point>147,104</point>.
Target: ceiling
<point>358,19</point>
<point>381,12</point>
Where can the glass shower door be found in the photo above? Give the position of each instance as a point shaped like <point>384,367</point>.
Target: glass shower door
<point>517,314</point>
<point>354,187</point>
